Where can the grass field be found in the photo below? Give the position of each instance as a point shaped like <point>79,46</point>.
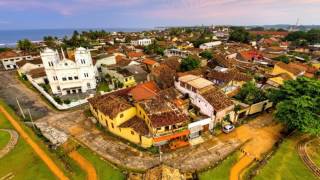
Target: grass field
<point>222,171</point>
<point>27,164</point>
<point>285,163</point>
<point>103,86</point>
<point>104,169</point>
<point>313,150</point>
<point>4,138</point>
<point>22,161</point>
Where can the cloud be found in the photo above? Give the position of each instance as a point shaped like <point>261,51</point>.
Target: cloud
<point>198,11</point>
<point>66,7</point>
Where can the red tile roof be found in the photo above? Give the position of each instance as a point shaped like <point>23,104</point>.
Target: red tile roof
<point>137,124</point>
<point>274,33</point>
<point>149,61</point>
<point>217,98</point>
<point>251,55</point>
<point>38,72</point>
<point>135,54</point>
<point>110,104</point>
<point>144,91</point>
<point>8,54</point>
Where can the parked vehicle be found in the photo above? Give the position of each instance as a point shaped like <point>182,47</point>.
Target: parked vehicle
<point>228,128</point>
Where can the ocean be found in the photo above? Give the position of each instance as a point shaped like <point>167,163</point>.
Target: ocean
<point>9,38</point>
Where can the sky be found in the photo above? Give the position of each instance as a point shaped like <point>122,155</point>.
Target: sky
<point>43,14</point>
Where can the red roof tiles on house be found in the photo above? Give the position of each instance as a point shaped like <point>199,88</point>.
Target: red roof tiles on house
<point>149,61</point>
<point>135,54</point>
<point>144,91</point>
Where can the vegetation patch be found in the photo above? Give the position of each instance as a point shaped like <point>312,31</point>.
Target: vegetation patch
<point>222,171</point>
<point>4,139</point>
<point>285,163</point>
<point>104,169</point>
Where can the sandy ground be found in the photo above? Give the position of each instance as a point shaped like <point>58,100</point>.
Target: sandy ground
<point>260,135</point>
<point>84,164</point>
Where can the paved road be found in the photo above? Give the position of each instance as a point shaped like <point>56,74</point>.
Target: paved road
<point>36,148</point>
<point>11,88</point>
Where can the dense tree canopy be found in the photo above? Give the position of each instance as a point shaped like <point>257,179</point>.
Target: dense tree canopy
<point>298,104</point>
<point>250,94</point>
<point>154,48</point>
<point>239,34</point>
<point>282,58</point>
<point>25,45</point>
<point>50,41</point>
<point>189,63</point>
<point>206,54</point>
<point>302,38</point>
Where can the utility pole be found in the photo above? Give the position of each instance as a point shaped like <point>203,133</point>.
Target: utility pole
<point>160,153</point>
<point>22,113</point>
<point>31,119</point>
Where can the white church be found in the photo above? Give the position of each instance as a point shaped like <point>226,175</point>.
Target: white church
<point>67,76</point>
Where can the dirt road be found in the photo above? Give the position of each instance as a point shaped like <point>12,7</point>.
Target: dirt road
<point>260,134</point>
<point>47,160</point>
<point>84,164</point>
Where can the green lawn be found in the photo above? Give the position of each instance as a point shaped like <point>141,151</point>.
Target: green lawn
<point>103,86</point>
<point>285,164</point>
<point>222,171</point>
<point>22,161</point>
<point>313,150</point>
<point>4,138</point>
<point>103,168</point>
<point>27,164</point>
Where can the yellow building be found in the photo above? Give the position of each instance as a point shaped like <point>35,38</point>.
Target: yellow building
<point>283,72</point>
<point>154,121</point>
<point>165,121</point>
<point>119,117</point>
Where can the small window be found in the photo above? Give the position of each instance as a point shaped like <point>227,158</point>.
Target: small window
<point>112,125</point>
<point>64,79</point>
<point>76,78</point>
<point>121,115</point>
<point>132,132</point>
<point>89,85</point>
<point>70,78</point>
<point>58,88</point>
<point>66,64</point>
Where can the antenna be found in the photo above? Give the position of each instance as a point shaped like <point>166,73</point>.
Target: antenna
<point>63,53</point>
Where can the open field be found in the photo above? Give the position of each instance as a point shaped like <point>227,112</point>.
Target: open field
<point>22,162</point>
<point>4,138</point>
<point>69,167</point>
<point>104,169</point>
<point>222,171</point>
<point>285,163</point>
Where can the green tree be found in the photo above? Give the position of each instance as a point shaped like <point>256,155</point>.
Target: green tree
<point>206,54</point>
<point>239,34</point>
<point>298,104</point>
<point>154,48</point>
<point>25,45</point>
<point>282,58</point>
<point>250,94</point>
<point>189,63</point>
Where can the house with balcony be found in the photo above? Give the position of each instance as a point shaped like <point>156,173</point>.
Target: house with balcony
<point>209,99</point>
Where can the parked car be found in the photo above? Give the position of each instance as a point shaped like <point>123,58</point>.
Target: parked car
<point>228,128</point>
